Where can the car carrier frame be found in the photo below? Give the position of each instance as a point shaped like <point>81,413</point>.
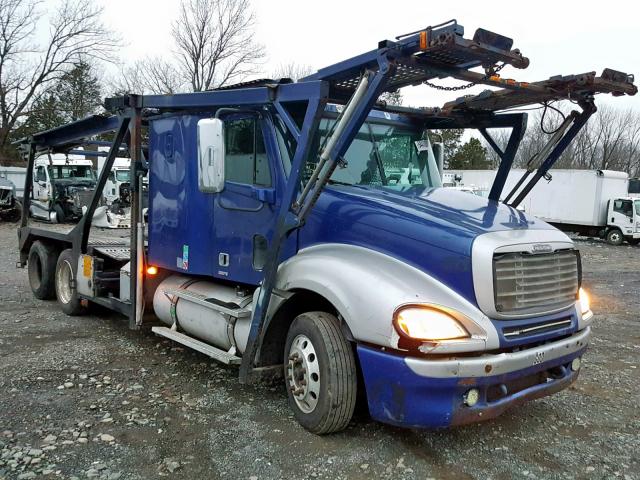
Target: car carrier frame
<point>436,52</point>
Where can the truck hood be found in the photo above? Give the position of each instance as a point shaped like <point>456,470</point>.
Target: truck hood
<point>75,182</point>
<point>431,229</point>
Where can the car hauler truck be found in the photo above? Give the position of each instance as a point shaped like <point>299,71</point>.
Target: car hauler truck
<point>595,203</point>
<point>288,232</point>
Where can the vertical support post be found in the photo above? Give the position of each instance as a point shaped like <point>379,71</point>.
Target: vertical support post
<point>137,230</point>
<point>588,109</point>
<point>80,233</point>
<point>286,222</point>
<point>28,186</point>
<point>506,158</point>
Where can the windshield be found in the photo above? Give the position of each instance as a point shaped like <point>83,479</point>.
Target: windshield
<point>122,175</point>
<point>84,172</point>
<point>383,155</point>
<point>637,202</point>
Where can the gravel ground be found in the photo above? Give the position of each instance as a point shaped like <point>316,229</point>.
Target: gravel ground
<point>87,398</point>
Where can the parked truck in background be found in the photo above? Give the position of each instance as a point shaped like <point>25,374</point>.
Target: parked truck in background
<point>300,229</point>
<point>62,187</point>
<point>118,184</point>
<point>595,203</point>
<point>10,206</point>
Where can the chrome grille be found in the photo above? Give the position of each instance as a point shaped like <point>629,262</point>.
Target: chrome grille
<point>83,198</point>
<point>527,283</point>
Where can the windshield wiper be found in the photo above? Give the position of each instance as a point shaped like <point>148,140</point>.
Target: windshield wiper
<point>338,182</point>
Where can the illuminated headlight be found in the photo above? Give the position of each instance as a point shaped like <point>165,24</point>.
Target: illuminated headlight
<point>428,323</point>
<point>585,305</point>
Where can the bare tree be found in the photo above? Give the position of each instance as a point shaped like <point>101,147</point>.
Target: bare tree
<point>26,68</point>
<point>292,70</point>
<point>609,140</point>
<point>151,75</point>
<point>215,44</point>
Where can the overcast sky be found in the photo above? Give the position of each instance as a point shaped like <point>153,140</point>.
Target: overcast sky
<point>558,37</point>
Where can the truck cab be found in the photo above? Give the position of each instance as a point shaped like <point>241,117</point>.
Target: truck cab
<point>623,220</point>
<point>300,230</point>
<point>62,186</point>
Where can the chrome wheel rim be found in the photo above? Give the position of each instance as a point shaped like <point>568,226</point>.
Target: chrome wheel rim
<point>303,373</point>
<point>64,276</point>
<point>615,237</point>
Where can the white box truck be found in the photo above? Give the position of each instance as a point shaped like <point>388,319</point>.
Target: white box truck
<point>596,203</point>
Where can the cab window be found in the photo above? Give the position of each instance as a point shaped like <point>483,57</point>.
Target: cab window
<point>624,207</point>
<point>245,158</point>
<point>41,175</point>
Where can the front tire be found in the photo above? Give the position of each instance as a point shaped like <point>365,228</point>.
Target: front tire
<point>614,237</point>
<point>41,267</point>
<point>60,216</point>
<point>66,292</point>
<point>320,373</point>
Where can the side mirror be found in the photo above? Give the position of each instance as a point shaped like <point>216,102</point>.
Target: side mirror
<point>211,155</point>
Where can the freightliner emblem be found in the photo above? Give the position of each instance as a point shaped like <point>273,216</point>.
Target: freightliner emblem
<point>542,248</point>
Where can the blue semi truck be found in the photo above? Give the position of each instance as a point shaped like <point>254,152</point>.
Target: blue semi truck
<point>300,230</point>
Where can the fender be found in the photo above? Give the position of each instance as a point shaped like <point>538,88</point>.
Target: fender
<point>366,287</point>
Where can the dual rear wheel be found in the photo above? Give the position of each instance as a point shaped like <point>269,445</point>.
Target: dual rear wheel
<point>52,275</point>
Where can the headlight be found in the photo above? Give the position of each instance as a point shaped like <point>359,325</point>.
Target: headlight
<point>428,323</point>
<point>583,296</point>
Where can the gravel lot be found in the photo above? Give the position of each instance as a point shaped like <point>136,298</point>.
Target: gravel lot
<point>87,398</point>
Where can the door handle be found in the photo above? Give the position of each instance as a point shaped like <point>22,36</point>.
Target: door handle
<point>267,195</point>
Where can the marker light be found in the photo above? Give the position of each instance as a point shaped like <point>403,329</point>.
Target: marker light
<point>583,296</point>
<point>428,323</point>
<point>152,270</point>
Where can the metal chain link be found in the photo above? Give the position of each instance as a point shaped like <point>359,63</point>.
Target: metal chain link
<point>468,85</point>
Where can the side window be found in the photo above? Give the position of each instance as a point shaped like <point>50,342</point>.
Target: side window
<point>41,176</point>
<point>245,158</point>
<point>624,207</point>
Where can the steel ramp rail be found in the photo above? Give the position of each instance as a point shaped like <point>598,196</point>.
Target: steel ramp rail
<point>569,87</point>
<point>424,55</point>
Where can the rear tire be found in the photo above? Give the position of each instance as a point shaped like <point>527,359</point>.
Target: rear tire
<point>614,237</point>
<point>41,268</point>
<point>320,373</point>
<point>66,292</point>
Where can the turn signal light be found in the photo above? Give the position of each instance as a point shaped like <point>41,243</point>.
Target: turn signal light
<point>152,270</point>
<point>585,304</point>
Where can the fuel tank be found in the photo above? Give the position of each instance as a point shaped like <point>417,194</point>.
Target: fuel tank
<point>210,324</point>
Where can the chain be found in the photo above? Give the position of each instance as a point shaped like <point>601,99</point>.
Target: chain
<point>489,73</point>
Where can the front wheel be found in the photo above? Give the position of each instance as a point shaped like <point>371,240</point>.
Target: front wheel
<point>320,373</point>
<point>66,292</point>
<point>614,237</point>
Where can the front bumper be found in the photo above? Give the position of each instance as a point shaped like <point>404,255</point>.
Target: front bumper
<point>415,392</point>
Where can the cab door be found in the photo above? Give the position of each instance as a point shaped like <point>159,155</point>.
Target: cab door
<point>41,184</point>
<point>245,210</point>
<point>621,214</point>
